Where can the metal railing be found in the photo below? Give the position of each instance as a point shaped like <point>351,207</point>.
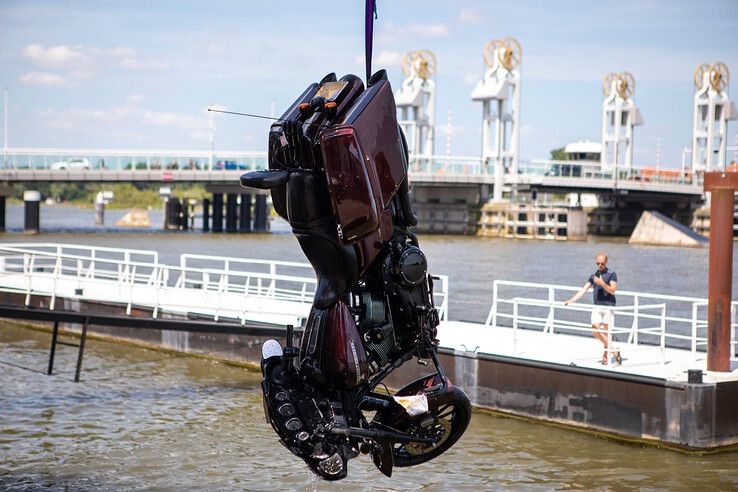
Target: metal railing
<point>202,284</point>
<point>110,274</point>
<point>551,323</point>
<point>66,160</point>
<point>586,170</point>
<point>647,319</point>
<point>170,165</point>
<point>446,164</point>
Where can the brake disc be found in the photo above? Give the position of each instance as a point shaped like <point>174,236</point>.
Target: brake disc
<point>440,430</point>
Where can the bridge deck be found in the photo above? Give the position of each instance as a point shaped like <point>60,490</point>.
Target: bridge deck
<point>157,166</point>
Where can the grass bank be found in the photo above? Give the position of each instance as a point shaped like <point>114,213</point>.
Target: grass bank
<point>125,195</point>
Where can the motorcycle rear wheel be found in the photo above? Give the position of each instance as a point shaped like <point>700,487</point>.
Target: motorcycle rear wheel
<point>451,413</point>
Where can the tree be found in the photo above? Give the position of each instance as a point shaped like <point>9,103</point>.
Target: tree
<point>558,154</point>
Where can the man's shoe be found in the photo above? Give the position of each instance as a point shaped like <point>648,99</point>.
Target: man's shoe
<point>618,359</point>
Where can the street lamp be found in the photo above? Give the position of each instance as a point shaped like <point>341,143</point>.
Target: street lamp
<point>212,109</point>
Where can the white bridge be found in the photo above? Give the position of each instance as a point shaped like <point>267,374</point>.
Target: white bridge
<point>170,166</point>
<point>658,335</point>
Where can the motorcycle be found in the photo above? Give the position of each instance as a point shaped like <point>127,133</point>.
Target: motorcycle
<point>338,174</point>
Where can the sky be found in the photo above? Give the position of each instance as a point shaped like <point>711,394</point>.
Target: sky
<point>141,74</point>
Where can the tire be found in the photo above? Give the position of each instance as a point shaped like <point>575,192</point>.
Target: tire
<point>451,412</point>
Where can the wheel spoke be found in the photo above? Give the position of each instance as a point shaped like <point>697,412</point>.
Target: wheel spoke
<point>446,413</point>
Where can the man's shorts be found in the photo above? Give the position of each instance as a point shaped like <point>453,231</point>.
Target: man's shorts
<point>602,315</point>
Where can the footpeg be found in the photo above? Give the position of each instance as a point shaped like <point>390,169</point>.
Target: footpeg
<point>270,348</point>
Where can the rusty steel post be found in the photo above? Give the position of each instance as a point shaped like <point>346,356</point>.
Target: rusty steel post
<point>720,282</point>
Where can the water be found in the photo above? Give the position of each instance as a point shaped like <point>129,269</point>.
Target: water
<point>63,218</point>
<point>147,420</point>
<point>471,263</point>
<point>142,419</point>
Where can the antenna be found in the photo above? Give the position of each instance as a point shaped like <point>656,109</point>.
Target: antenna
<point>251,115</point>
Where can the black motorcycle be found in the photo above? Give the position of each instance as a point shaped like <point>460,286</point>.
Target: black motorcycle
<point>338,174</point>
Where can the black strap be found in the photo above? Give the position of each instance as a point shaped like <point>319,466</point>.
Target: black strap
<point>370,15</point>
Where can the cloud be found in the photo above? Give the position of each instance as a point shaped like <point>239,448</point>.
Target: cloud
<point>78,62</point>
<point>55,56</point>
<point>471,16</point>
<point>428,30</point>
<point>388,58</point>
<point>472,78</point>
<point>120,52</point>
<point>138,64</point>
<point>113,117</point>
<point>391,33</point>
<point>135,98</point>
<point>177,120</point>
<point>215,48</point>
<point>44,79</point>
<point>383,58</point>
<point>562,61</point>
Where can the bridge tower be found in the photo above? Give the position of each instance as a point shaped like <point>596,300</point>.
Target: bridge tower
<point>499,92</point>
<point>712,111</point>
<point>619,116</point>
<point>416,101</point>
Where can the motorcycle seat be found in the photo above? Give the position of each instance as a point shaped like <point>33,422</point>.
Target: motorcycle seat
<point>311,218</point>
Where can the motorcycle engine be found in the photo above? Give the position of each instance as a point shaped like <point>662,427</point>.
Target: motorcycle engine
<point>389,300</point>
<point>376,328</point>
<point>410,266</point>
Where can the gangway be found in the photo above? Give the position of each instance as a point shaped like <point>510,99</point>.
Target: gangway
<point>248,290</point>
<point>659,335</point>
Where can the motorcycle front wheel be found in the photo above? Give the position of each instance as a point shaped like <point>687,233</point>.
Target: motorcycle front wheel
<point>448,416</point>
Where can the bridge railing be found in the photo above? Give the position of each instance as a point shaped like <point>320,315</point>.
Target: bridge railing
<point>594,170</point>
<point>445,164</point>
<point>88,261</point>
<point>138,282</point>
<point>64,160</point>
<point>639,317</point>
<point>237,267</point>
<point>136,278</point>
<point>22,163</point>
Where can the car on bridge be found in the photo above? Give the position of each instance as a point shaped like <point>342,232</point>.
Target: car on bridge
<point>230,166</point>
<point>82,163</point>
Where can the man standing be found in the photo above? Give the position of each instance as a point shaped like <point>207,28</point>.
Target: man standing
<point>604,282</point>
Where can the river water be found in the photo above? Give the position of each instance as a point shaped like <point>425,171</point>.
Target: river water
<point>147,420</point>
<point>143,419</point>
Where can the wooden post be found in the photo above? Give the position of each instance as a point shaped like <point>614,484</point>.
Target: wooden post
<point>722,186</point>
